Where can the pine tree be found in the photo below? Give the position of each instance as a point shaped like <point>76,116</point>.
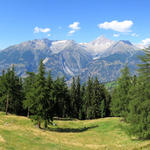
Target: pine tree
<point>82,103</point>
<point>96,99</point>
<point>100,100</point>
<point>29,83</point>
<point>78,96</point>
<point>11,92</point>
<point>40,103</point>
<point>49,110</point>
<point>61,98</point>
<point>107,102</point>
<point>120,100</point>
<point>139,116</point>
<point>73,98</point>
<point>88,101</point>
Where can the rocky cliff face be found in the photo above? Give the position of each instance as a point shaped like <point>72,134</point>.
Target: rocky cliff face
<point>102,57</point>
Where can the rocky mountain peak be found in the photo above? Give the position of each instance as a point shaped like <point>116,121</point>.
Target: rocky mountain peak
<point>99,45</point>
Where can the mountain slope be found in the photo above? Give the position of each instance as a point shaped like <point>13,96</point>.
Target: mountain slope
<point>69,61</point>
<point>62,57</point>
<point>102,57</point>
<point>108,65</point>
<point>121,47</point>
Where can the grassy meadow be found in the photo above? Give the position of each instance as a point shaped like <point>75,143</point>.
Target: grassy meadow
<point>20,133</point>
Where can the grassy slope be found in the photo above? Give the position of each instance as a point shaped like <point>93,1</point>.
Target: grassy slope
<point>111,85</point>
<point>19,133</point>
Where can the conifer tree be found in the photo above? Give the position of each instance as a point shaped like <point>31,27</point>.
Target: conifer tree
<point>97,98</point>
<point>88,101</point>
<point>82,103</point>
<point>11,92</point>
<point>39,104</point>
<point>73,98</point>
<point>139,116</point>
<point>78,96</point>
<point>29,83</point>
<point>120,100</point>
<point>49,110</point>
<point>61,98</point>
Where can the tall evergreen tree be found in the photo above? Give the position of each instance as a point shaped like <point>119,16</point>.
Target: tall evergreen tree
<point>73,98</point>
<point>78,96</point>
<point>49,110</point>
<point>139,116</point>
<point>29,83</point>
<point>120,100</point>
<point>96,99</point>
<point>88,101</point>
<point>61,98</point>
<point>40,103</point>
<point>82,103</point>
<point>11,92</point>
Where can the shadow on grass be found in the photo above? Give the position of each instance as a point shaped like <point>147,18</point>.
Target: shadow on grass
<point>147,146</point>
<point>75,130</point>
<point>64,119</point>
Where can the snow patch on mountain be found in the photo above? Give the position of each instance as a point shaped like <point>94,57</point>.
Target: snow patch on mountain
<point>45,60</point>
<point>58,46</point>
<point>121,47</point>
<point>67,70</point>
<point>98,46</point>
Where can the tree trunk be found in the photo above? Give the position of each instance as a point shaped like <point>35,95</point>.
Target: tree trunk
<point>39,124</point>
<point>45,124</point>
<point>28,114</point>
<point>7,102</point>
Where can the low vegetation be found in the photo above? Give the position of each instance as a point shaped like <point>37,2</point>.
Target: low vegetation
<point>18,132</point>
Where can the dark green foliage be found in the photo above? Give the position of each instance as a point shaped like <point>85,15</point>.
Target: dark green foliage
<point>29,83</point>
<point>120,99</point>
<point>49,110</point>
<point>78,96</point>
<point>40,102</point>
<point>139,107</point>
<point>11,92</point>
<point>82,106</point>
<point>95,100</point>
<point>131,98</point>
<point>98,99</point>
<point>73,98</point>
<point>61,98</point>
<point>40,97</point>
<point>88,100</point>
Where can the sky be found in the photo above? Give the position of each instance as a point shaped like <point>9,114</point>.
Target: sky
<point>79,20</point>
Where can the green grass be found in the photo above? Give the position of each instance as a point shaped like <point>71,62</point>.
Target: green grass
<point>20,133</point>
<point>111,85</point>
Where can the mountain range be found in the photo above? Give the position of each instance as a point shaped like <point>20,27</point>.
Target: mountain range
<point>102,57</point>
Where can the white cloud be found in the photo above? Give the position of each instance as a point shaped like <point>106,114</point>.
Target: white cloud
<point>134,35</point>
<point>116,35</point>
<point>74,27</point>
<point>144,43</point>
<point>71,32</point>
<point>43,30</point>
<point>48,34</point>
<point>115,25</point>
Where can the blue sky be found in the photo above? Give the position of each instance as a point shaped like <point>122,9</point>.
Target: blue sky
<point>80,20</point>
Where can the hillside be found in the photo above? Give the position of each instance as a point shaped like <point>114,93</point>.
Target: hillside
<point>20,133</point>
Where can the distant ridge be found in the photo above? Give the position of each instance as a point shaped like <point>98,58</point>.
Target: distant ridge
<point>101,57</point>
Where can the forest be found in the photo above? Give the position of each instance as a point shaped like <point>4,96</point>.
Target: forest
<point>42,98</point>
